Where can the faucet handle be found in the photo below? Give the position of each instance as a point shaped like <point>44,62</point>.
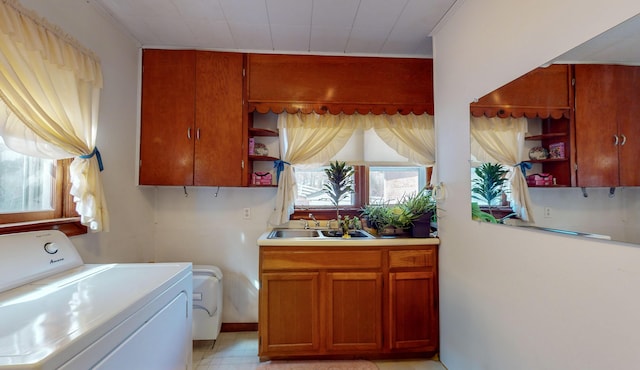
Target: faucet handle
<point>305,223</point>
<point>316,223</point>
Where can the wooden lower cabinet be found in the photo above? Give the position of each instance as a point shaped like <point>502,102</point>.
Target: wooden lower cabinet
<point>353,311</point>
<point>365,302</point>
<point>413,322</point>
<point>290,315</point>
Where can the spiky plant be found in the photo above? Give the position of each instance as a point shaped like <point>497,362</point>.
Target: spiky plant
<point>489,185</point>
<point>340,183</point>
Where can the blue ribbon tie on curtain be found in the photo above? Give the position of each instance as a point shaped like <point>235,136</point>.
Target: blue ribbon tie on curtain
<point>279,166</point>
<point>95,152</point>
<point>524,166</point>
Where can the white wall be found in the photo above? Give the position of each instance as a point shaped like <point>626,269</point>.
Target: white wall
<point>511,298</point>
<point>131,209</point>
<point>209,230</point>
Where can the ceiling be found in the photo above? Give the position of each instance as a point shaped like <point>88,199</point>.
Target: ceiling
<point>358,27</point>
<point>618,45</point>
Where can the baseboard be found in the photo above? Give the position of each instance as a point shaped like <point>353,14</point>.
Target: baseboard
<point>239,326</point>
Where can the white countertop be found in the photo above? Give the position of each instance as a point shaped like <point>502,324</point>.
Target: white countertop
<point>340,242</point>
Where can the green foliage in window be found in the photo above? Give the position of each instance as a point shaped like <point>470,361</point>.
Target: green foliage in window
<point>340,184</point>
<point>488,187</point>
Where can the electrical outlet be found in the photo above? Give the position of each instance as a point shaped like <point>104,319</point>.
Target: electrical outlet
<point>246,214</point>
<point>547,212</point>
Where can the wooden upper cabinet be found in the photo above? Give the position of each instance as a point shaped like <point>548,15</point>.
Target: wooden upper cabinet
<point>192,118</point>
<point>337,84</point>
<point>607,136</point>
<point>168,95</point>
<point>543,92</point>
<point>219,113</point>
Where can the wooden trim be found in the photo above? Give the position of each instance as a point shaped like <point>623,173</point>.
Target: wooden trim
<point>478,110</point>
<point>239,326</point>
<point>69,226</point>
<point>337,108</point>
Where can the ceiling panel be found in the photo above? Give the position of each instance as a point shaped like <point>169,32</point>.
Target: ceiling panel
<point>377,27</point>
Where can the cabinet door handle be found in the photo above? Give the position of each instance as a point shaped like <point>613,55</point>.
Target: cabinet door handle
<point>615,137</point>
<point>624,139</point>
<point>198,134</point>
<point>189,133</point>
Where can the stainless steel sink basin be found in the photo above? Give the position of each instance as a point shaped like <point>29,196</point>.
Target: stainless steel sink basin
<point>313,233</point>
<point>353,234</point>
<point>293,233</point>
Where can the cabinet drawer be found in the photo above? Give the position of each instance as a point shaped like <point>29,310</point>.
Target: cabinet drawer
<point>411,258</point>
<point>317,260</point>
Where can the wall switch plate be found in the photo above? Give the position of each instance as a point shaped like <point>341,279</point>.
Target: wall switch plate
<point>246,213</point>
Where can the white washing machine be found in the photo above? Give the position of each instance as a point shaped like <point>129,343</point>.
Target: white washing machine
<point>207,302</point>
<point>58,313</point>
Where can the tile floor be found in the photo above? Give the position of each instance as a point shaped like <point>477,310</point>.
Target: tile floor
<point>239,351</point>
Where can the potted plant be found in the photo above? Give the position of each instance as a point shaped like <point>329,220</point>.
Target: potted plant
<point>412,214</point>
<point>375,216</point>
<point>488,187</point>
<point>420,209</point>
<point>340,184</point>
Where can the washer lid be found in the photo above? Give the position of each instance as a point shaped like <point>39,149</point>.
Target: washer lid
<point>62,314</point>
<point>207,270</point>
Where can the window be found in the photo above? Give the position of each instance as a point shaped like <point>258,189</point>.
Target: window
<point>388,184</point>
<point>32,194</point>
<point>372,184</point>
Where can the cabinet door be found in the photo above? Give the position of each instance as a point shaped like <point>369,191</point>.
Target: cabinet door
<point>354,304</point>
<point>289,313</point>
<point>167,117</point>
<point>412,311</point>
<point>596,99</point>
<point>219,114</point>
<point>628,126</point>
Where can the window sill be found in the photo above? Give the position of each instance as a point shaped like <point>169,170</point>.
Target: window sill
<point>69,226</point>
<point>498,212</point>
<point>323,213</point>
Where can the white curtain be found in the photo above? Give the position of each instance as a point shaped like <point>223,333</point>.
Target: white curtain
<point>411,136</point>
<point>311,140</point>
<point>50,92</point>
<point>306,140</point>
<point>501,140</point>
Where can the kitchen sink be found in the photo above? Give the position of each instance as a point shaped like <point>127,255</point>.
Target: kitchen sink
<point>353,234</point>
<point>313,233</point>
<point>293,233</point>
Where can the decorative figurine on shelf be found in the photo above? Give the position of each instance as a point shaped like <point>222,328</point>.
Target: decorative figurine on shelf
<point>260,149</point>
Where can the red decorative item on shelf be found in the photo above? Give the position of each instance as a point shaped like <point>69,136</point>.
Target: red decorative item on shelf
<point>261,178</point>
<point>540,179</point>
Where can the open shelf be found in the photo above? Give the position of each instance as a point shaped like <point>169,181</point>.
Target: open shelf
<point>253,131</point>
<point>546,136</point>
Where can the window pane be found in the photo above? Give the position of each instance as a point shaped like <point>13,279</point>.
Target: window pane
<point>310,194</point>
<point>389,184</point>
<point>26,183</point>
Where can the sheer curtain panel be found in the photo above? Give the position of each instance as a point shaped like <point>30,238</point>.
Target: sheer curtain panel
<point>50,92</point>
<point>503,140</point>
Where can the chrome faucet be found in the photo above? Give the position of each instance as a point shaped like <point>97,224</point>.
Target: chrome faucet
<point>316,223</point>
<point>305,223</point>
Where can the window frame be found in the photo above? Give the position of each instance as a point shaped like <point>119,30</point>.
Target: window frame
<point>63,217</point>
<point>361,197</point>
